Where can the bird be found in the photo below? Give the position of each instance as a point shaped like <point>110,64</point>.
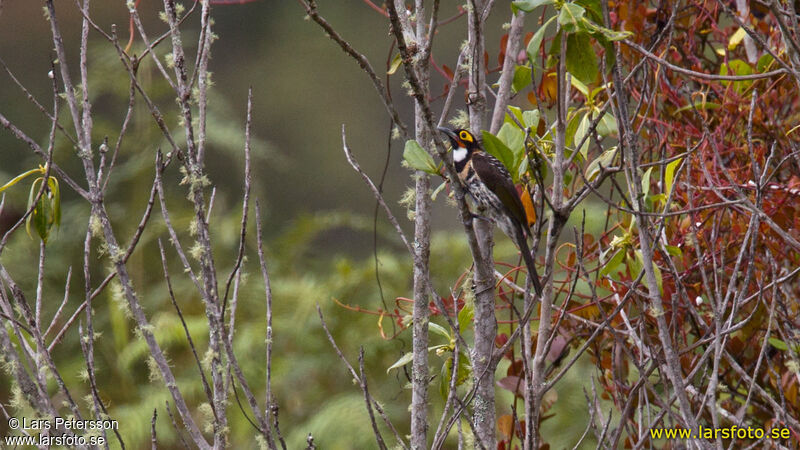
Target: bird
<point>489,184</point>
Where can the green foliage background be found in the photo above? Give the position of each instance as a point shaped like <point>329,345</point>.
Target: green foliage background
<point>318,222</point>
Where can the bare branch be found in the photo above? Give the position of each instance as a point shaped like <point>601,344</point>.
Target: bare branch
<point>701,75</point>
<point>311,9</point>
<point>363,382</point>
<point>376,192</point>
<point>358,379</point>
<point>269,403</point>
<point>507,74</point>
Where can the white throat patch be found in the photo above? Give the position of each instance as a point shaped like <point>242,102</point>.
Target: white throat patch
<point>459,154</point>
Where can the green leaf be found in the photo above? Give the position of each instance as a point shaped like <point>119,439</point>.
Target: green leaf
<point>529,5</point>
<point>607,125</point>
<point>444,379</point>
<point>572,128</point>
<point>764,62</point>
<point>47,210</point>
<point>417,158</point>
<point>396,62</point>
<point>522,78</point>
<point>674,251</point>
<point>669,175</point>
<point>658,198</point>
<point>440,330</point>
<point>531,119</point>
<point>610,54</point>
<point>587,26</point>
<point>568,174</point>
<point>570,16</point>
<point>517,114</point>
<point>52,182</point>
<point>463,373</point>
<point>536,41</point>
<point>43,215</point>
<point>31,197</point>
<point>594,8</point>
<point>438,190</point>
<point>581,58</point>
<point>779,344</point>
<point>523,166</point>
<point>612,35</point>
<point>581,132</point>
<point>495,147</point>
<point>634,264</point>
<point>737,67</point>
<point>598,90</point>
<point>512,136</point>
<point>405,359</point>
<point>465,317</point>
<point>579,86</point>
<point>613,263</point>
<point>606,159</point>
<point>646,182</point>
<point>555,49</point>
<point>698,105</point>
<point>18,178</point>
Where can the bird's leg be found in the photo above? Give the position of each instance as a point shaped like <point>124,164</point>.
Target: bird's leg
<point>474,216</point>
<point>481,217</point>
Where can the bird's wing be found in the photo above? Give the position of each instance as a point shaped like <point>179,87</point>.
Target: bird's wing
<point>496,177</point>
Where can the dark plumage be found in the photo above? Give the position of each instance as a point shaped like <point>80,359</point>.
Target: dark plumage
<point>489,184</point>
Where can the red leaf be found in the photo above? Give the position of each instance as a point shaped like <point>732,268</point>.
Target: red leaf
<point>500,340</point>
<point>448,71</point>
<point>513,384</point>
<point>503,44</point>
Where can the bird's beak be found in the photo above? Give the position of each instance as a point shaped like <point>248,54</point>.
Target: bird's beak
<point>450,135</point>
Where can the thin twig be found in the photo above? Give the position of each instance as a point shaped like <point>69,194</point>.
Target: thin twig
<point>352,371</point>
<point>189,339</point>
<point>311,9</point>
<point>268,401</point>
<point>363,382</point>
<point>701,75</point>
<point>376,192</point>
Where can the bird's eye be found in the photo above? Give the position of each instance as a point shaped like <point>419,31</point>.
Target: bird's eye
<point>465,136</point>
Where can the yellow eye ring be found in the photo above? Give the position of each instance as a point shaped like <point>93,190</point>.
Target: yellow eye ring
<point>464,135</point>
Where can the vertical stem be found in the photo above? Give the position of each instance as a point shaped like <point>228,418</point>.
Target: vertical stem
<point>476,97</point>
<point>527,356</point>
<point>553,232</point>
<point>503,96</point>
<point>268,294</point>
<point>419,373</point>
<point>485,333</point>
<point>40,286</point>
<point>507,75</point>
<point>422,244</point>
<point>194,168</point>
<point>202,81</point>
<point>485,321</point>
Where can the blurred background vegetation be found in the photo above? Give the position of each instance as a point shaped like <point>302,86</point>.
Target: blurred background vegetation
<point>318,216</point>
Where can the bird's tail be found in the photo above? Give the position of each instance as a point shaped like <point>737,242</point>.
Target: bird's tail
<point>529,262</point>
